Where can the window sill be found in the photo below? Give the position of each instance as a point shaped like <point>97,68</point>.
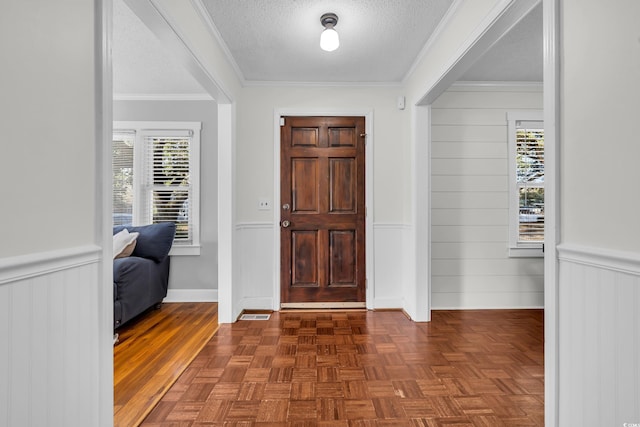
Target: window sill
<point>526,252</point>
<point>185,250</point>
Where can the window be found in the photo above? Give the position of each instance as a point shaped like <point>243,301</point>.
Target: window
<point>526,172</point>
<point>156,178</point>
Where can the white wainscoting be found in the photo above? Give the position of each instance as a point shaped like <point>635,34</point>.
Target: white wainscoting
<point>391,268</point>
<point>599,330</point>
<point>49,330</point>
<point>256,266</point>
<point>255,258</point>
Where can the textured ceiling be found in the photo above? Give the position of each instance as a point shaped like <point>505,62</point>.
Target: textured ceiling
<point>278,41</point>
<point>515,57</point>
<point>141,64</point>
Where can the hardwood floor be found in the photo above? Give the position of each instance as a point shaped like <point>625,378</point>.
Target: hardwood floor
<point>153,351</point>
<point>362,368</point>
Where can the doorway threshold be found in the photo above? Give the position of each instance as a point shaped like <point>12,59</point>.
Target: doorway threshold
<point>323,305</point>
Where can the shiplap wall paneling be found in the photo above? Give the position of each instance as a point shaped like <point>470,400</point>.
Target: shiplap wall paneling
<point>470,264</point>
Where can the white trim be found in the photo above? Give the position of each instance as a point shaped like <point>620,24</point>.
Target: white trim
<point>321,305</point>
<point>391,226</point>
<point>206,18</point>
<point>495,24</point>
<point>483,307</point>
<point>162,97</point>
<point>272,83</point>
<point>103,207</point>
<point>435,35</point>
<point>526,252</point>
<point>420,294</point>
<point>13,269</point>
<point>369,243</point>
<point>150,125</point>
<point>552,120</point>
<point>518,86</point>
<point>191,295</point>
<point>254,225</point>
<point>517,248</point>
<point>145,128</point>
<point>185,250</point>
<point>226,211</point>
<point>256,303</point>
<point>160,23</point>
<point>618,261</point>
<point>389,303</point>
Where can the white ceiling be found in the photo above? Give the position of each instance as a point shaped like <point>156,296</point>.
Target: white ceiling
<point>278,41</point>
<point>141,64</point>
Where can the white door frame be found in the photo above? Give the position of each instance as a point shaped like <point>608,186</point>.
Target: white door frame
<point>505,17</point>
<point>368,115</point>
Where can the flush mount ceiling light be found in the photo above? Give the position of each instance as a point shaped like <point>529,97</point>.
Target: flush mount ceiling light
<point>329,40</point>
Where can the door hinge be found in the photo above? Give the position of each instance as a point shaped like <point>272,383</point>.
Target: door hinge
<point>281,121</point>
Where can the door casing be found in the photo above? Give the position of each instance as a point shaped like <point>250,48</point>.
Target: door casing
<point>369,236</point>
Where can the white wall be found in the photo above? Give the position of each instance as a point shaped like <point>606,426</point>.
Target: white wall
<point>470,263</point>
<point>599,128</point>
<point>255,152</point>
<point>197,272</point>
<point>449,45</point>
<point>599,284</point>
<point>46,114</point>
<point>54,317</point>
<point>255,179</point>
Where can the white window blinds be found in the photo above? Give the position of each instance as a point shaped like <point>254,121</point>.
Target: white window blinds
<point>156,178</point>
<point>168,181</point>
<point>526,182</point>
<point>123,178</point>
<point>530,181</point>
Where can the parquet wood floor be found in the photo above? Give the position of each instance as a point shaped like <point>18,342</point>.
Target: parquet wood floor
<point>465,368</point>
<point>152,352</point>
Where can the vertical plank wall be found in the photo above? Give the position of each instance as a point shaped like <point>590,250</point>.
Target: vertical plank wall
<point>50,341</point>
<point>469,171</point>
<point>599,329</point>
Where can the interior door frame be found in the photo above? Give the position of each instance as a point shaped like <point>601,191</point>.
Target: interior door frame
<point>368,117</point>
<point>504,16</point>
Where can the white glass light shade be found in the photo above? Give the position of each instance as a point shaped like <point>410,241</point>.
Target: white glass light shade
<point>329,40</point>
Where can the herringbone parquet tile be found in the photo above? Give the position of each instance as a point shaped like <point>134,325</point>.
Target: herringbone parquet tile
<point>464,368</point>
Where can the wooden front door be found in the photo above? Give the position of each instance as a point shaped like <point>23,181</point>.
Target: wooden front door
<point>322,211</point>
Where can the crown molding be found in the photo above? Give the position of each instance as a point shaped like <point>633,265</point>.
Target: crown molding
<point>211,26</point>
<point>498,85</point>
<point>444,22</point>
<point>264,83</point>
<point>162,97</point>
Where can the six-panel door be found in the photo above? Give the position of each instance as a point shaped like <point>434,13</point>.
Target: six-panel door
<point>322,210</point>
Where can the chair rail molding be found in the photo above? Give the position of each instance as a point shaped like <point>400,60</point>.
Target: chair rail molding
<point>13,269</point>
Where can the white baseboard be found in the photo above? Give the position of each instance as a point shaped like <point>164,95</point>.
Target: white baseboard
<point>389,303</point>
<point>257,303</point>
<point>191,295</point>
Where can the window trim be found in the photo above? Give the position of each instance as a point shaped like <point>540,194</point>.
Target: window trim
<point>141,129</point>
<point>519,249</point>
